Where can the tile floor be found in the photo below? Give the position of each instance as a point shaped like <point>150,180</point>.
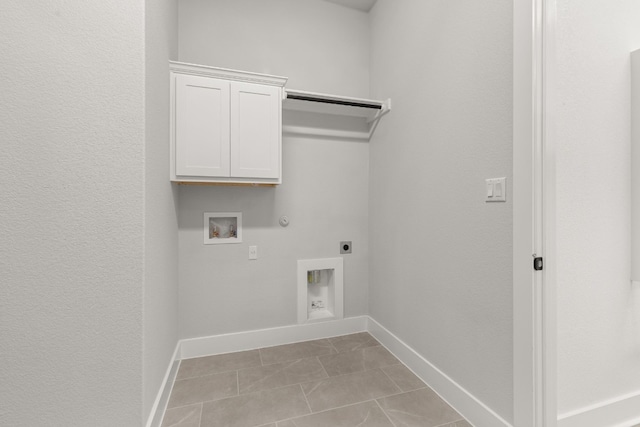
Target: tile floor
<point>345,381</point>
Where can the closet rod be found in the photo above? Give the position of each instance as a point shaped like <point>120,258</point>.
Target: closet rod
<point>335,101</point>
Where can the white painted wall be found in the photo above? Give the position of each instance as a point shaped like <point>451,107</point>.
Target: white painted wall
<point>441,258</point>
<point>71,213</point>
<point>160,203</point>
<point>598,309</point>
<point>321,47</point>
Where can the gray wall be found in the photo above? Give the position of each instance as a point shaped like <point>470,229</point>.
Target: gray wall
<point>160,207</point>
<point>598,321</point>
<point>320,47</point>
<point>71,252</point>
<point>441,258</point>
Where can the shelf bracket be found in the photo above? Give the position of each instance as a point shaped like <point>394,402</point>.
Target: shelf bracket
<point>373,121</point>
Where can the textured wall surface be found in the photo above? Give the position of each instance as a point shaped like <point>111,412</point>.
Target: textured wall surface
<point>441,258</point>
<point>321,47</point>
<point>71,213</point>
<point>324,193</point>
<point>161,218</point>
<point>325,182</point>
<point>598,308</point>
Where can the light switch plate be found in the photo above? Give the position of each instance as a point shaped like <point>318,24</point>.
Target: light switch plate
<point>496,189</point>
<point>253,252</point>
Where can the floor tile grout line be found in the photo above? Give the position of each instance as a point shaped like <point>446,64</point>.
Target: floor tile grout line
<point>330,377</point>
<point>261,380</point>
<point>397,362</point>
<point>260,356</point>
<point>182,361</point>
<point>292,360</point>
<point>391,379</point>
<point>238,382</point>
<point>211,400</point>
<point>363,401</point>
<point>204,375</point>
<point>366,345</point>
<point>191,404</point>
<point>384,412</point>
<point>306,382</point>
<point>449,423</point>
<point>359,372</point>
<point>335,376</point>
<point>357,346</point>
<point>296,343</point>
<point>238,396</point>
<point>332,346</point>
<point>403,392</point>
<point>424,385</point>
<point>298,357</point>
<point>323,368</point>
<point>422,388</point>
<point>305,399</point>
<point>200,418</point>
<point>262,364</point>
<point>248,394</point>
<point>343,375</point>
<point>226,371</point>
<point>180,421</point>
<point>326,410</point>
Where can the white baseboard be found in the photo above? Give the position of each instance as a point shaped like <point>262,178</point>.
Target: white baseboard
<point>228,343</point>
<point>623,411</point>
<point>160,404</point>
<point>476,412</point>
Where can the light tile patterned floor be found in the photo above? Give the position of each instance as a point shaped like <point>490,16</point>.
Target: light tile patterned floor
<point>344,381</point>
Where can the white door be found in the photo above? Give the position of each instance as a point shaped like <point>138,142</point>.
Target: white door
<point>202,126</point>
<point>255,130</point>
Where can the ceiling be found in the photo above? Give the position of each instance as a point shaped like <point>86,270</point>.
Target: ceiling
<point>363,5</point>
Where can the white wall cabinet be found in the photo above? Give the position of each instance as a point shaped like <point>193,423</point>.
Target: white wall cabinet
<point>226,125</point>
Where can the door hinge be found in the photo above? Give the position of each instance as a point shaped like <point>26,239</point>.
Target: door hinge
<point>537,263</point>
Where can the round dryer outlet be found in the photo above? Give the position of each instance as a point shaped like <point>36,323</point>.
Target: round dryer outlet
<point>345,247</point>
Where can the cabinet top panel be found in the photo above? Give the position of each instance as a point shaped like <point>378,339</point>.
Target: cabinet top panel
<point>226,73</point>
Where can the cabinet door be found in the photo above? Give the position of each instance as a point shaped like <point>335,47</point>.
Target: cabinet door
<point>256,130</point>
<point>202,126</point>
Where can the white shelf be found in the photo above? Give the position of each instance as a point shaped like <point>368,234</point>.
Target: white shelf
<point>365,112</point>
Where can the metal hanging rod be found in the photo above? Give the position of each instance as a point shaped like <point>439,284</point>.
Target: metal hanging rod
<point>334,101</point>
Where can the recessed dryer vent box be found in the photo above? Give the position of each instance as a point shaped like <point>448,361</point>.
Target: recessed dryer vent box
<point>320,290</point>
